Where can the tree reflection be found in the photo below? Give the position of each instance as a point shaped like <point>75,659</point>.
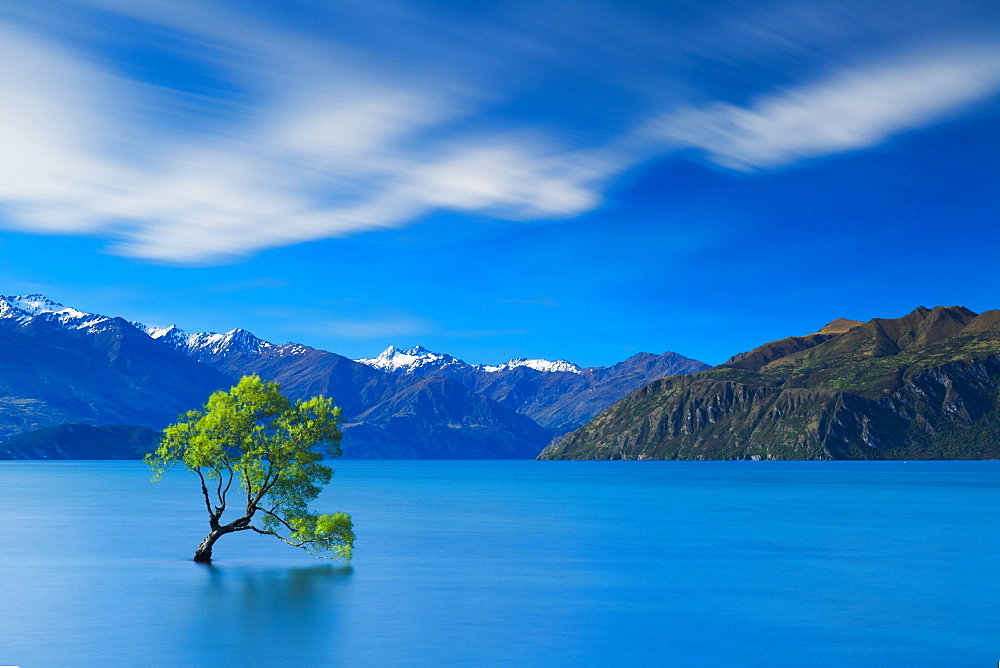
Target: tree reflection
<point>262,616</point>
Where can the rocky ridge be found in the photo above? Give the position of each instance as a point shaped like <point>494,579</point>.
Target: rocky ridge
<point>921,386</point>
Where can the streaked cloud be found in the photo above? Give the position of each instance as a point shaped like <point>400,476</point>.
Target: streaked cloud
<point>323,140</point>
<point>850,110</point>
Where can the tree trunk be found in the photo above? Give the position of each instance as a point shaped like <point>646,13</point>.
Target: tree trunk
<point>203,554</point>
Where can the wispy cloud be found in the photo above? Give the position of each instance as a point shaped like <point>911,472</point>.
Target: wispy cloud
<point>323,140</point>
<point>850,110</point>
<point>328,165</point>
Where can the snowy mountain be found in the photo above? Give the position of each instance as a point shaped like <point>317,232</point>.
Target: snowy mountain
<point>61,365</point>
<point>201,346</point>
<point>411,360</point>
<point>24,309</point>
<point>408,360</point>
<point>204,346</point>
<point>538,365</point>
<point>386,414</point>
<point>65,366</point>
<point>558,395</point>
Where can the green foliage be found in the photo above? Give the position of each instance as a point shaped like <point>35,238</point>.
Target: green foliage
<point>274,450</point>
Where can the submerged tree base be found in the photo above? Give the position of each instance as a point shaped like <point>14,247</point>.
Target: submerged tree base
<point>203,555</point>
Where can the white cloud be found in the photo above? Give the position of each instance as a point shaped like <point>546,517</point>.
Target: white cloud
<point>508,178</point>
<point>322,143</point>
<point>851,110</point>
<point>330,165</point>
<point>47,161</point>
<point>340,126</point>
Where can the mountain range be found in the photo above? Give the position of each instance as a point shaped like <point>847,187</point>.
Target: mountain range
<point>559,395</point>
<point>926,385</point>
<point>60,366</point>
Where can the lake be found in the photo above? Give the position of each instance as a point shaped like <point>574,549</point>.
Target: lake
<point>515,563</point>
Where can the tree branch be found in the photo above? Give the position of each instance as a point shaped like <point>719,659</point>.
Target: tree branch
<point>246,478</point>
<point>239,524</point>
<point>277,517</point>
<point>218,491</point>
<point>292,543</point>
<point>228,484</point>
<point>265,486</point>
<point>213,519</point>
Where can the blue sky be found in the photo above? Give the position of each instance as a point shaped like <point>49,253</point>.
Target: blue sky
<point>579,180</point>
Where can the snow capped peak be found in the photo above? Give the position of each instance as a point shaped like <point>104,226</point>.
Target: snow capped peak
<point>172,334</point>
<point>160,332</point>
<point>203,345</point>
<point>293,349</point>
<point>407,360</point>
<point>36,304</point>
<point>24,308</point>
<point>32,305</point>
<point>537,365</point>
<point>240,340</point>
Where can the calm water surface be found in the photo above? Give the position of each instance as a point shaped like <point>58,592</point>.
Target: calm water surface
<point>515,563</point>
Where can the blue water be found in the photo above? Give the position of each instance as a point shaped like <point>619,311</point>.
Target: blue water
<point>515,563</point>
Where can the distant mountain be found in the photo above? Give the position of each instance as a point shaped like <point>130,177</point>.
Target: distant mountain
<point>59,365</point>
<point>563,401</point>
<point>409,361</point>
<point>926,385</point>
<point>82,441</point>
<point>556,395</point>
<point>386,415</point>
<point>419,360</point>
<point>206,346</point>
<point>559,395</point>
<point>440,416</point>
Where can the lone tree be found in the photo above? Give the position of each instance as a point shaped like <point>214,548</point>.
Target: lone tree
<point>274,450</point>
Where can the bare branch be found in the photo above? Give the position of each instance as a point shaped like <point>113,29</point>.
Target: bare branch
<point>218,490</point>
<point>228,484</point>
<point>208,501</point>
<point>246,479</point>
